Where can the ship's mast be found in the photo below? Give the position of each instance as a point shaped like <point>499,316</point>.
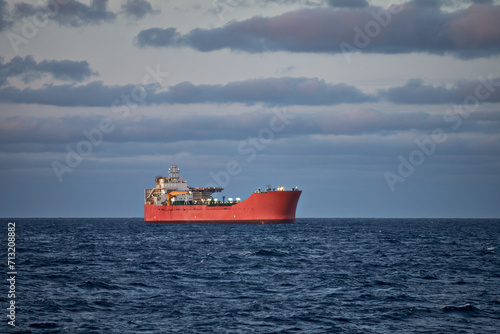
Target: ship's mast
<point>173,174</point>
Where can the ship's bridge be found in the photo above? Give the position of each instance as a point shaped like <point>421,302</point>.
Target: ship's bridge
<point>173,189</point>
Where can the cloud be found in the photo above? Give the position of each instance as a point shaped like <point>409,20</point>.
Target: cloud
<point>28,69</point>
<point>93,94</point>
<point>157,37</point>
<point>416,92</point>
<point>427,3</point>
<point>138,9</point>
<point>273,91</point>
<point>172,127</point>
<point>348,3</point>
<point>269,91</point>
<point>464,33</point>
<point>5,22</point>
<point>74,13</point>
<point>69,13</point>
<point>266,91</point>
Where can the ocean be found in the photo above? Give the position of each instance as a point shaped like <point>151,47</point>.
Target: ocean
<point>313,276</point>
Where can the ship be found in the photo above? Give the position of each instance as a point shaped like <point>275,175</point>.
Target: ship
<point>173,201</point>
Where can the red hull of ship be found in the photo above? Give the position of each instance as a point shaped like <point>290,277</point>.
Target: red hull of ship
<point>259,208</point>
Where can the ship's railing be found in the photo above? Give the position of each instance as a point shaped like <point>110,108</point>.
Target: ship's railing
<point>268,189</point>
<point>219,203</point>
<point>207,189</point>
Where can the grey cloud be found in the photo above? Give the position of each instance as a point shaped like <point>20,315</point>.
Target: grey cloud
<point>273,91</point>
<point>465,33</point>
<point>173,128</point>
<point>222,5</point>
<point>66,69</point>
<point>93,94</point>
<point>415,91</point>
<point>76,14</point>
<point>5,22</point>
<point>71,13</point>
<point>427,3</point>
<point>138,9</point>
<point>28,69</point>
<point>348,3</point>
<point>157,37</point>
<point>270,91</point>
<point>267,91</point>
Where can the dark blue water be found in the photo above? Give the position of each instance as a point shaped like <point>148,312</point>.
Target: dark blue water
<point>314,276</point>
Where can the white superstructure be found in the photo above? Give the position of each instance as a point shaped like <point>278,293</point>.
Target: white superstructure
<point>172,188</point>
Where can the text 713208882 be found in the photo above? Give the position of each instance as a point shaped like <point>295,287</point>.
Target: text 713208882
<point>11,272</point>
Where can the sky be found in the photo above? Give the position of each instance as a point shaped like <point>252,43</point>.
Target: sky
<point>372,108</point>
